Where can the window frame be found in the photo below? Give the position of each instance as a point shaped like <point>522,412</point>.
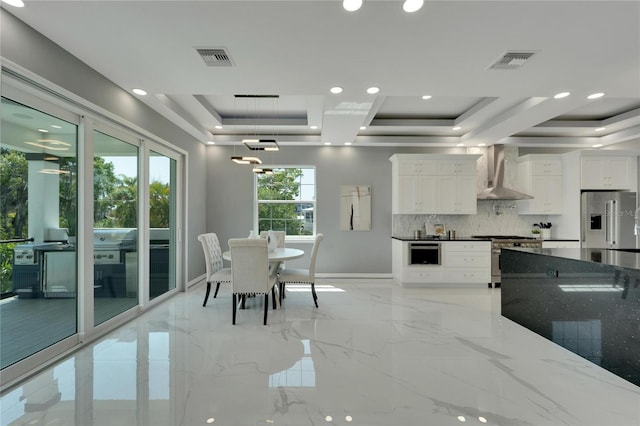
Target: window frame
<point>314,202</point>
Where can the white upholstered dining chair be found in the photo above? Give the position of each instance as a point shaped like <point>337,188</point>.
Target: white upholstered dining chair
<point>280,237</point>
<point>250,272</point>
<point>303,276</point>
<point>216,272</point>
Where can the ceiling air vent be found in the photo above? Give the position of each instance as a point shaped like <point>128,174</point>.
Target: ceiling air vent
<point>215,57</point>
<point>512,60</point>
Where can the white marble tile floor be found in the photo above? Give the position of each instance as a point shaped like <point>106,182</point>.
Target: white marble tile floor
<point>372,354</point>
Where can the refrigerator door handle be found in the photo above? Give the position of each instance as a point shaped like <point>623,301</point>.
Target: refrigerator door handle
<point>607,217</point>
<point>610,221</point>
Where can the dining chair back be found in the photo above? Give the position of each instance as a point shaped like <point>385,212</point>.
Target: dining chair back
<point>250,271</point>
<point>303,276</point>
<point>280,237</point>
<point>214,267</point>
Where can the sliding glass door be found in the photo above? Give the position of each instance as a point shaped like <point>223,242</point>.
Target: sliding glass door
<point>115,225</point>
<point>162,223</point>
<point>89,226</point>
<point>38,217</point>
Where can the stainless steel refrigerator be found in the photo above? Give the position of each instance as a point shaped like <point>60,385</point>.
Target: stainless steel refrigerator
<point>608,219</point>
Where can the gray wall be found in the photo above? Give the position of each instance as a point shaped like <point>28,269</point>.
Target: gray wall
<point>31,50</point>
<point>230,201</point>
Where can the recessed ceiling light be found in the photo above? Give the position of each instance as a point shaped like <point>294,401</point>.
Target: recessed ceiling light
<point>562,95</point>
<point>336,89</point>
<point>313,127</point>
<point>598,145</point>
<point>595,95</point>
<point>457,128</point>
<point>327,143</point>
<point>482,144</point>
<point>460,144</point>
<point>15,3</point>
<point>363,127</point>
<point>55,126</point>
<point>211,143</point>
<point>425,97</point>
<point>43,130</point>
<point>373,90</point>
<point>410,6</point>
<point>218,127</point>
<point>352,5</point>
<point>347,143</point>
<point>599,129</point>
<point>139,92</point>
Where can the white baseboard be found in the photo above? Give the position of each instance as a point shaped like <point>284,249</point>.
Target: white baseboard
<point>196,280</point>
<point>353,275</point>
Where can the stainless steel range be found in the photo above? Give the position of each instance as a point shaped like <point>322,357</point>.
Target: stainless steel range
<point>498,242</point>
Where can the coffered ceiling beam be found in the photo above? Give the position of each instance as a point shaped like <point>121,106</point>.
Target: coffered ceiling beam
<point>551,141</point>
<point>625,135</point>
<point>266,121</point>
<point>526,114</point>
<point>412,122</point>
<point>282,139</point>
<point>173,112</point>
<point>202,100</point>
<point>343,117</point>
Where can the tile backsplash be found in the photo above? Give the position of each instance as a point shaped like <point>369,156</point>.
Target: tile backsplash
<point>492,218</point>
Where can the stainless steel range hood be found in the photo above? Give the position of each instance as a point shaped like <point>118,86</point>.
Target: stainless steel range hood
<point>495,169</point>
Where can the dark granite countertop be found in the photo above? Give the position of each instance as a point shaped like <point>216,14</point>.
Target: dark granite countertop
<point>586,300</point>
<point>603,256</point>
<point>441,239</point>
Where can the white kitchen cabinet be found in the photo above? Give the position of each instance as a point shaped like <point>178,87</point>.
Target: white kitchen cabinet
<point>412,275</point>
<point>610,172</point>
<point>408,167</point>
<point>457,195</point>
<point>466,167</point>
<point>541,177</point>
<point>467,262</point>
<point>433,183</point>
<point>462,262</point>
<point>414,194</point>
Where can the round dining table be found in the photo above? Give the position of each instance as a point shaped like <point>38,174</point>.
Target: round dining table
<point>276,255</point>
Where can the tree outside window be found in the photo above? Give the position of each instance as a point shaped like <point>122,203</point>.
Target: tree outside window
<point>286,201</point>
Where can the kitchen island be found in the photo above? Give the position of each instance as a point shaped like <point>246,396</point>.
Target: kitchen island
<point>586,300</point>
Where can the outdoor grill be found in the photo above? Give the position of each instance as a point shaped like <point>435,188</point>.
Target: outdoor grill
<point>110,245</point>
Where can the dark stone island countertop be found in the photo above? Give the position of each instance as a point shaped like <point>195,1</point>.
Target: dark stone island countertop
<point>612,257</point>
<point>432,238</point>
<point>586,300</point>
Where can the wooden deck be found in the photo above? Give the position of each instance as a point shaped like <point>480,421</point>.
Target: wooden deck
<point>30,325</point>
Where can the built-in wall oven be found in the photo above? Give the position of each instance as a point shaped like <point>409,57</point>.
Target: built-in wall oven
<point>424,253</point>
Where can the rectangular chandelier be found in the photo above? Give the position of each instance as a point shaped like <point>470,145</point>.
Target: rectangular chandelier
<point>261,144</point>
<point>246,160</point>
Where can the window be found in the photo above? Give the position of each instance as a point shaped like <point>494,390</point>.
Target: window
<point>287,200</point>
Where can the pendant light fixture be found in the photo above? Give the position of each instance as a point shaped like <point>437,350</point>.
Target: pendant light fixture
<point>261,144</point>
<point>246,160</point>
